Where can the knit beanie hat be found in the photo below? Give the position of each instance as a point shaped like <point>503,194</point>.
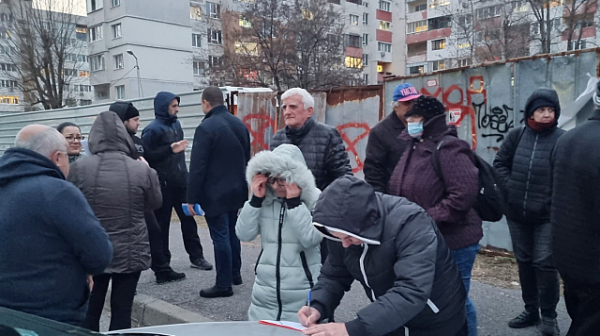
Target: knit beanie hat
<point>538,103</point>
<point>426,106</point>
<point>124,110</point>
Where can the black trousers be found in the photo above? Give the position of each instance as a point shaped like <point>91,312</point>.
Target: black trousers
<point>173,198</point>
<point>160,263</point>
<point>583,306</point>
<point>539,279</point>
<point>121,300</point>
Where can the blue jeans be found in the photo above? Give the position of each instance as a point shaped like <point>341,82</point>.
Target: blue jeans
<point>228,258</point>
<point>464,259</point>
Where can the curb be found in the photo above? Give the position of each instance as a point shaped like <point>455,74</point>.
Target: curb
<point>149,311</point>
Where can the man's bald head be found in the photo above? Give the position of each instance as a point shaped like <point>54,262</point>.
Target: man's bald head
<point>41,139</point>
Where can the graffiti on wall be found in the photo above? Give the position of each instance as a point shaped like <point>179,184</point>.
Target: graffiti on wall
<point>257,125</point>
<point>352,144</point>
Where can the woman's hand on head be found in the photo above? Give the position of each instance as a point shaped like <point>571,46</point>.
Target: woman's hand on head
<point>259,185</point>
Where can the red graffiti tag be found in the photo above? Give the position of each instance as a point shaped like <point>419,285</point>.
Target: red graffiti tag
<point>351,144</point>
<point>258,136</point>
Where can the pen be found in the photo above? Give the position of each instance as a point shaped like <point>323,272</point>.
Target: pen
<point>309,302</point>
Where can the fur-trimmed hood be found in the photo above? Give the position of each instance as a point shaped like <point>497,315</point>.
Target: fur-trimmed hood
<point>285,161</point>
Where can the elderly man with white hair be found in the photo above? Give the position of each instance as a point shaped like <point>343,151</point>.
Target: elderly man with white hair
<point>321,145</point>
<point>50,238</point>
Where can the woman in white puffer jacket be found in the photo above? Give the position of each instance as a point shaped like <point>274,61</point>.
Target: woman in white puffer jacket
<point>283,197</point>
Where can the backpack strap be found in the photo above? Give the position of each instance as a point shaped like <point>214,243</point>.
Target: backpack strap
<point>516,145</point>
<point>436,158</point>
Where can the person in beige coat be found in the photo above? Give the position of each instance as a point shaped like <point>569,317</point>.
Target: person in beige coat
<point>119,189</point>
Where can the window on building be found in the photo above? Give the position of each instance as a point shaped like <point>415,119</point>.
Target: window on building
<point>440,22</point>
<point>365,18</point>
<point>365,79</point>
<point>384,5</point>
<point>8,83</point>
<point>384,25</point>
<point>245,22</point>
<point>84,73</point>
<point>196,40</point>
<point>195,13</point>
<point>214,61</point>
<point>214,36</point>
<point>97,63</point>
<point>85,102</point>
<point>118,61</point>
<point>13,100</point>
<point>214,10</point>
<point>337,2</point>
<point>419,8</point>
<point>463,43</point>
<point>379,68</point>
<point>366,4</point>
<point>268,29</point>
<point>354,20</point>
<point>69,72</point>
<point>116,30</point>
<point>465,21</point>
<point>116,3</point>
<point>120,90</point>
<point>84,88</point>
<point>353,41</point>
<point>366,39</point>
<point>519,6</point>
<point>198,68</point>
<point>8,67</point>
<point>95,33</point>
<point>576,45</point>
<point>247,48</point>
<point>438,44</point>
<point>353,62</point>
<point>438,65</point>
<point>465,62</point>
<point>386,47</point>
<point>416,70</point>
<point>307,15</point>
<point>365,59</point>
<point>489,12</point>
<point>438,3</point>
<point>583,23</point>
<point>416,27</point>
<point>94,5</point>
<point>358,2</point>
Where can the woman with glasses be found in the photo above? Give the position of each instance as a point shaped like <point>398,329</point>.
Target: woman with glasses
<point>72,133</point>
<point>283,197</point>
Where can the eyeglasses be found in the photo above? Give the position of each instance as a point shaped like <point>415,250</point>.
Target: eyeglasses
<point>72,138</point>
<point>278,180</point>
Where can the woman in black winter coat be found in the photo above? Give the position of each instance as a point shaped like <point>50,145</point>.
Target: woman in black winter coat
<point>523,164</point>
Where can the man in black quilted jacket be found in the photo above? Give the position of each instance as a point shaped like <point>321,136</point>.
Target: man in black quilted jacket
<point>321,144</point>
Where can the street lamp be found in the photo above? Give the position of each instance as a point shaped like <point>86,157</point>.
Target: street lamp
<point>137,66</point>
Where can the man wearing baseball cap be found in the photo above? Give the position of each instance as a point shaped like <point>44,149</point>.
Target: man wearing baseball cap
<point>384,149</point>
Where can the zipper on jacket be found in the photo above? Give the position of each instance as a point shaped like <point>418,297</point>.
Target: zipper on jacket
<point>258,260</point>
<point>529,176</point>
<point>364,272</point>
<point>278,263</point>
<point>306,269</point>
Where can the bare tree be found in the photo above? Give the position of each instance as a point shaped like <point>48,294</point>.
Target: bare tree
<point>544,15</point>
<point>41,49</point>
<point>282,44</point>
<point>578,15</point>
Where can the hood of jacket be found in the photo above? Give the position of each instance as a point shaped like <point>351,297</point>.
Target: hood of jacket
<point>349,206</point>
<point>17,163</point>
<point>546,94</point>
<point>285,161</point>
<point>161,106</point>
<point>108,134</point>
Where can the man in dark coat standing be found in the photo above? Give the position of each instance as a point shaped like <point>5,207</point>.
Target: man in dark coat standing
<point>220,153</point>
<point>321,145</point>
<point>50,237</point>
<point>576,222</point>
<point>160,263</point>
<point>384,148</point>
<point>394,249</point>
<point>164,149</point>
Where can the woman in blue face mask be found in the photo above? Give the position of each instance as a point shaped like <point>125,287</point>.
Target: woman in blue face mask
<point>449,198</point>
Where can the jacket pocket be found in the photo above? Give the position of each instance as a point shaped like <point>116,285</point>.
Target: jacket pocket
<point>306,269</point>
<point>258,260</point>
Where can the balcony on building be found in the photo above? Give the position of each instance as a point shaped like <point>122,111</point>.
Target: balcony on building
<point>416,10</point>
<point>416,52</point>
<point>430,29</point>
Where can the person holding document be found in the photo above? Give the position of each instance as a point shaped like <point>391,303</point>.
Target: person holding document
<point>283,196</point>
<point>394,249</point>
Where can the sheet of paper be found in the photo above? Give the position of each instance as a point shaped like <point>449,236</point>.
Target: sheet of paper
<point>284,324</point>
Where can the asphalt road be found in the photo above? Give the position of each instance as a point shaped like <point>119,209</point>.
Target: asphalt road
<point>495,306</point>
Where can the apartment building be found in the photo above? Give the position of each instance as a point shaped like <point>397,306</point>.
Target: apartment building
<point>76,71</point>
<point>441,34</point>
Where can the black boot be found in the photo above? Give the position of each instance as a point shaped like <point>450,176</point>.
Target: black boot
<point>171,276</point>
<point>202,264</point>
<point>549,327</point>
<point>525,319</point>
<point>215,291</point>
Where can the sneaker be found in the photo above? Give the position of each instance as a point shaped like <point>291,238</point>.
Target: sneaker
<point>215,291</point>
<point>549,327</point>
<point>171,276</point>
<point>202,264</point>
<point>525,319</point>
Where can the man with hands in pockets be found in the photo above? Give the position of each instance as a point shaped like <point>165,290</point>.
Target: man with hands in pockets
<point>394,249</point>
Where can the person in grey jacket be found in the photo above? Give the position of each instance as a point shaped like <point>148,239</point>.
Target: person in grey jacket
<point>523,165</point>
<point>399,256</point>
<point>119,190</point>
<point>284,194</point>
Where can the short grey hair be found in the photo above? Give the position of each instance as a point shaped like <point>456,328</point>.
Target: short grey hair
<point>307,100</point>
<point>395,104</point>
<point>44,143</point>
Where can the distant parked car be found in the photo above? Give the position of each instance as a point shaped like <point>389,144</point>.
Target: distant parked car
<point>18,323</point>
